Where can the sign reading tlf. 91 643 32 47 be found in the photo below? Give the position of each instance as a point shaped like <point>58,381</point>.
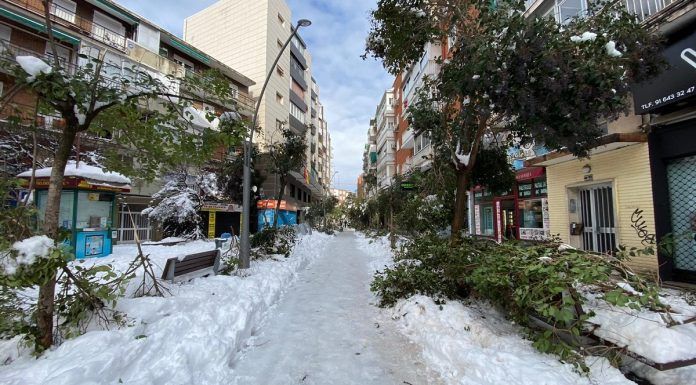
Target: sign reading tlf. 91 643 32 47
<point>676,83</point>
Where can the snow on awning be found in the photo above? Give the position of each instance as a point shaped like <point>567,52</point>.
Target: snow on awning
<point>91,176</point>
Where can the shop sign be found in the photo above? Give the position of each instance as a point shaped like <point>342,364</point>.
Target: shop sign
<point>499,221</point>
<point>676,83</point>
<point>524,190</point>
<point>477,219</point>
<point>540,187</point>
<point>407,186</point>
<point>529,173</point>
<point>272,203</point>
<point>224,207</point>
<point>211,224</point>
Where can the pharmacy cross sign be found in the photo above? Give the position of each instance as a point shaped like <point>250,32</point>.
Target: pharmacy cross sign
<point>676,83</point>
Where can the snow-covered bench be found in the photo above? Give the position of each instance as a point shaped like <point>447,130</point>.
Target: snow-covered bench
<point>192,266</point>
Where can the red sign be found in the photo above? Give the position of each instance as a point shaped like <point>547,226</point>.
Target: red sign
<point>530,173</point>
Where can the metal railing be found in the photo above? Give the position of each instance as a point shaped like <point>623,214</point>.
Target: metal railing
<point>646,8</point>
<point>70,19</point>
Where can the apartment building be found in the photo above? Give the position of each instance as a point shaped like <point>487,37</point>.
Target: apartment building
<point>637,186</point>
<point>340,194</point>
<point>100,28</point>
<point>386,148</point>
<point>413,149</point>
<point>247,35</point>
<point>369,176</point>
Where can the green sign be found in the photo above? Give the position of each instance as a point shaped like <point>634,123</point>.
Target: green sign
<point>407,186</point>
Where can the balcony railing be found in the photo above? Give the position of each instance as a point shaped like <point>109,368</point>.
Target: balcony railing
<point>646,8</point>
<point>71,20</point>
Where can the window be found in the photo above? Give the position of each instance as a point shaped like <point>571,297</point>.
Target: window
<point>567,9</point>
<point>109,30</point>
<point>297,112</point>
<point>280,71</point>
<point>281,20</point>
<point>188,64</point>
<point>63,54</point>
<point>298,44</point>
<point>5,36</point>
<point>149,37</point>
<point>296,88</point>
<point>64,9</point>
<point>295,65</point>
<point>279,98</point>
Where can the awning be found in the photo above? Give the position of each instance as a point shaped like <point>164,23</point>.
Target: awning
<point>38,26</point>
<point>115,11</point>
<point>529,173</point>
<point>605,143</point>
<point>194,53</point>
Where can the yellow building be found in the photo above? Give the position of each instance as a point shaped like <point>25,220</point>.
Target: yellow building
<point>606,200</point>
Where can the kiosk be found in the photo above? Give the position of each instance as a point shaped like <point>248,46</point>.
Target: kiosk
<point>87,206</point>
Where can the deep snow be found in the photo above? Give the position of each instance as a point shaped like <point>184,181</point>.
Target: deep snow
<point>191,337</point>
<point>473,343</point>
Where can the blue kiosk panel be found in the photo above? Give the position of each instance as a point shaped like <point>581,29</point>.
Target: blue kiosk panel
<point>285,218</point>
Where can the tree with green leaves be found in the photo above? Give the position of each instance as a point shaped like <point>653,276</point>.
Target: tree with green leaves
<point>150,121</point>
<point>290,154</point>
<point>511,78</point>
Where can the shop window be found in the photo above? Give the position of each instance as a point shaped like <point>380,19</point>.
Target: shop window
<point>487,220</point>
<point>531,214</point>
<point>94,210</point>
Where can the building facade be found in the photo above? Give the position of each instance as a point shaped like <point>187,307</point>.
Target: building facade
<point>634,189</point>
<point>259,29</point>
<point>384,127</point>
<point>93,29</point>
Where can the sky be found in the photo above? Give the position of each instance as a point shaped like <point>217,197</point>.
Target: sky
<point>350,87</point>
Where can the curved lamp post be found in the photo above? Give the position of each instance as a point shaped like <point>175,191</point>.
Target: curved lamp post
<point>245,248</point>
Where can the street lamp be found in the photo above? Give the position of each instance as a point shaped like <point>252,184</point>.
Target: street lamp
<point>245,248</point>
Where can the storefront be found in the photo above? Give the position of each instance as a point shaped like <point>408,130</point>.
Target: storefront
<point>221,218</point>
<point>519,214</point>
<point>670,99</point>
<point>287,213</point>
<point>87,206</point>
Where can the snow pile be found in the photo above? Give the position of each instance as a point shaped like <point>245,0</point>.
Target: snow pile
<point>379,249</point>
<point>33,66</point>
<point>611,49</point>
<point>190,337</point>
<point>586,36</point>
<point>28,250</point>
<point>476,345</point>
<point>82,171</point>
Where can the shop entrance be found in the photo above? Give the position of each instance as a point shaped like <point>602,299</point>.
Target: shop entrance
<point>597,214</point>
<point>508,215</point>
<point>681,182</point>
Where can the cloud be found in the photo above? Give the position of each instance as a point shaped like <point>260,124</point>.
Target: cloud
<point>350,87</point>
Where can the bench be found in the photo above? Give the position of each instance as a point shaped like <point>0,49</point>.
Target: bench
<point>192,265</point>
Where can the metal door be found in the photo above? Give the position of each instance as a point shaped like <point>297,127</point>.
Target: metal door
<point>597,213</point>
<point>128,227</point>
<point>681,182</point>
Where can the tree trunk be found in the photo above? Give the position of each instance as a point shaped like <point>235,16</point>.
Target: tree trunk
<point>44,310</point>
<point>460,203</point>
<point>280,198</point>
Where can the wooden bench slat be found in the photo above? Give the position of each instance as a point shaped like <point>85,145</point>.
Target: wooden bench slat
<point>190,263</point>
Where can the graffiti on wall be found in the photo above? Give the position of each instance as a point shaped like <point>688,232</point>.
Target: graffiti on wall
<point>638,224</point>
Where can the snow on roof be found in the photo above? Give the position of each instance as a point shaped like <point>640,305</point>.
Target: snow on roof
<point>82,171</point>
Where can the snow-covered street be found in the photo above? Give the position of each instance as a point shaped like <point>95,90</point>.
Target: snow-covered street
<point>327,331</point>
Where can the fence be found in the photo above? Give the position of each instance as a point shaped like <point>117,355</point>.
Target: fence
<point>132,223</point>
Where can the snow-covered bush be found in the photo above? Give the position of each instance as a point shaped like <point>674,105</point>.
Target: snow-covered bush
<point>279,241</point>
<point>543,280</point>
<point>177,205</point>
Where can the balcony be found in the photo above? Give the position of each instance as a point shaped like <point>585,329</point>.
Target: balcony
<point>408,139</point>
<point>71,20</point>
<point>643,9</point>
<point>296,125</point>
